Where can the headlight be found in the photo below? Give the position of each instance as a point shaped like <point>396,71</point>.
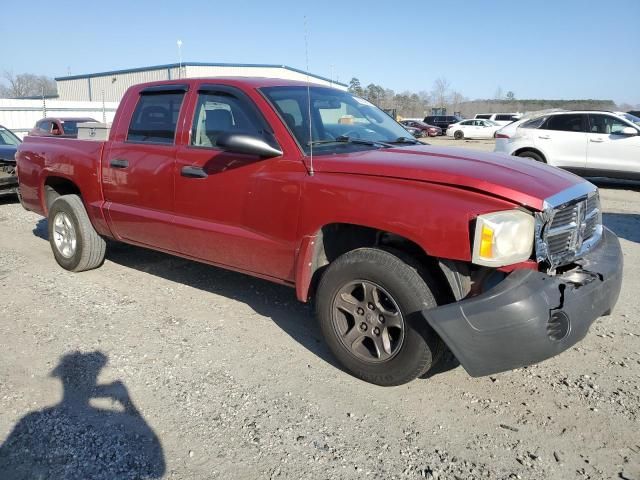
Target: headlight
<point>503,238</point>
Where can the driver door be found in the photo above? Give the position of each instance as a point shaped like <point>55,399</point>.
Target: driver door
<point>233,209</point>
<point>609,150</point>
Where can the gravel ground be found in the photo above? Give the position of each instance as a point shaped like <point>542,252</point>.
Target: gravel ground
<point>157,367</point>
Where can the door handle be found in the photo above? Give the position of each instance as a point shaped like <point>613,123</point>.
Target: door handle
<point>596,140</point>
<point>544,137</point>
<point>119,163</point>
<point>193,172</point>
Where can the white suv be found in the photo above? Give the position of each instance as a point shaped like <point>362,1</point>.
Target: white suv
<point>590,143</point>
<point>499,118</point>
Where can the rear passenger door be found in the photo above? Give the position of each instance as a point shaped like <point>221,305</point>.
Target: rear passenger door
<point>137,170</point>
<point>563,140</point>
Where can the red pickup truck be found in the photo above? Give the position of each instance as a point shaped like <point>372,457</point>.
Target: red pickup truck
<point>404,247</point>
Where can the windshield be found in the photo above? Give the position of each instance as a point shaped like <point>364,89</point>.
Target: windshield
<point>632,118</point>
<point>339,121</point>
<point>70,127</point>
<point>8,138</point>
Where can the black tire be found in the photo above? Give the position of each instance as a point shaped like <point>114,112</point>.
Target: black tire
<point>419,346</point>
<point>89,247</point>
<point>458,135</point>
<point>533,155</point>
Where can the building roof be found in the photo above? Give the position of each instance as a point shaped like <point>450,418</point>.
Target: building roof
<point>195,64</point>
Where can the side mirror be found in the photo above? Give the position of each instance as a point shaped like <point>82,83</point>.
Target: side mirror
<point>249,144</point>
<point>629,131</point>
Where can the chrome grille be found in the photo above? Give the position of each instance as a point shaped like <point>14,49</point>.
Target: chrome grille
<point>566,230</point>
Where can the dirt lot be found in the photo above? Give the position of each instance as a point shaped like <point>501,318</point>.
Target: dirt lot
<point>177,370</point>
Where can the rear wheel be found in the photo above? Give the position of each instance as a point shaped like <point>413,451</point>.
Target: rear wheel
<point>533,155</point>
<point>458,135</point>
<point>75,244</point>
<point>369,305</point>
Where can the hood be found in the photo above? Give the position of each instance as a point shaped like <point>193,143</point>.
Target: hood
<point>519,180</point>
<point>8,153</point>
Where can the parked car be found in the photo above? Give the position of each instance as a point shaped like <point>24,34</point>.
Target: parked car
<point>442,121</point>
<point>8,145</point>
<point>58,127</point>
<point>589,143</point>
<point>473,129</point>
<point>405,247</point>
<point>416,132</point>
<point>428,130</point>
<point>499,118</point>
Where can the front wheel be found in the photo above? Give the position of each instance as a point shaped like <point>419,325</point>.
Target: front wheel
<point>369,305</point>
<point>75,244</point>
<point>458,135</point>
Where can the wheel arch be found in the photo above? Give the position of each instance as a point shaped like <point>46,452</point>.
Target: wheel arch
<point>330,241</point>
<point>55,186</point>
<point>537,151</point>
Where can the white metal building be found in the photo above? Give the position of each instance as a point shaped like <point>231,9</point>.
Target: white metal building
<point>110,86</point>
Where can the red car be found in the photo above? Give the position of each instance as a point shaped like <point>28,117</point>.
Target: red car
<point>429,130</point>
<point>58,127</point>
<point>404,247</point>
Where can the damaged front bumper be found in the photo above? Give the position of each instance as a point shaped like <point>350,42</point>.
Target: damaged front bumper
<point>531,316</point>
<point>8,178</point>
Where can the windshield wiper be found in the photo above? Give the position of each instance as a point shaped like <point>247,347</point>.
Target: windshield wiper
<point>357,141</point>
<point>410,141</point>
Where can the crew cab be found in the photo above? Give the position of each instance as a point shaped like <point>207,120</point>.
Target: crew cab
<point>404,247</point>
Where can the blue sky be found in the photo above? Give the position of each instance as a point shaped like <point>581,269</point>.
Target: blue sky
<point>537,49</point>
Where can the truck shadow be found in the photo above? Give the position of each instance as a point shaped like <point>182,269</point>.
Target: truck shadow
<point>76,440</point>
<point>624,225</point>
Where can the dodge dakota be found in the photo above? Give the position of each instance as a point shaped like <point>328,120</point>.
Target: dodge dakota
<point>405,248</point>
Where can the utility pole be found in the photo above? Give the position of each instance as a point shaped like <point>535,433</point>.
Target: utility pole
<point>179,58</point>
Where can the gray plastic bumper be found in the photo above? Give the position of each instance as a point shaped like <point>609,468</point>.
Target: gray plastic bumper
<point>531,316</point>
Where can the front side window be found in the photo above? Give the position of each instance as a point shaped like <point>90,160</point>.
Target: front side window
<point>504,118</point>
<point>486,117</point>
<point>606,124</point>
<point>155,118</point>
<point>567,123</point>
<point>338,122</point>
<point>218,113</point>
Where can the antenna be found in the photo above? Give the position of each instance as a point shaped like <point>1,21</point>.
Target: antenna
<point>306,54</point>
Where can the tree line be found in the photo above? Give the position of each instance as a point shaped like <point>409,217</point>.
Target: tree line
<point>27,85</point>
<point>415,105</point>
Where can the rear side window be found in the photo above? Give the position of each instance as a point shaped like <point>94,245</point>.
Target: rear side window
<point>534,122</point>
<point>155,117</point>
<point>567,123</point>
<point>503,118</point>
